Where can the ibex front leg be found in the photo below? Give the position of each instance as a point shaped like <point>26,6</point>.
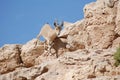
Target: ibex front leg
<point>50,45</point>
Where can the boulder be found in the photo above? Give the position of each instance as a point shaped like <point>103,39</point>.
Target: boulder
<point>31,51</point>
<point>10,57</point>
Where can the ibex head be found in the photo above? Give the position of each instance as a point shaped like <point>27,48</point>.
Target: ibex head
<point>58,27</point>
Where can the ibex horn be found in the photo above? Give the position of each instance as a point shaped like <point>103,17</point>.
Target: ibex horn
<point>55,23</point>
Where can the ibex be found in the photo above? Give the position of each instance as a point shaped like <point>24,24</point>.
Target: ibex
<point>50,34</point>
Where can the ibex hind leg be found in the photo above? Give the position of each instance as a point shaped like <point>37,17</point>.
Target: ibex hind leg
<point>45,47</point>
<point>49,48</point>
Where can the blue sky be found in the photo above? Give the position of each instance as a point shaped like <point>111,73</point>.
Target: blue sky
<point>21,20</point>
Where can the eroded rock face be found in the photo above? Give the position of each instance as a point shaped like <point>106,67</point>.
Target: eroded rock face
<point>83,64</point>
<point>101,36</point>
<point>100,23</point>
<point>76,36</point>
<point>9,58</point>
<point>117,30</point>
<point>31,51</point>
<point>116,43</point>
<point>80,64</point>
<point>25,73</point>
<point>96,30</point>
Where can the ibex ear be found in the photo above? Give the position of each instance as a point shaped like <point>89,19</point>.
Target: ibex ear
<point>47,23</point>
<point>55,23</point>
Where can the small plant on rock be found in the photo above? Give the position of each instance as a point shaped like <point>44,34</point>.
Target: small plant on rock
<point>117,57</point>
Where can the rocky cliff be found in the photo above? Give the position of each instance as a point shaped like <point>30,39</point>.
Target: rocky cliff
<point>85,49</point>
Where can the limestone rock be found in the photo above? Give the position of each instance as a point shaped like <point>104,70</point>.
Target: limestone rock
<point>9,57</point>
<point>99,14</point>
<point>117,30</point>
<point>101,36</point>
<point>100,23</point>
<point>31,51</point>
<point>25,73</point>
<point>75,37</point>
<point>81,64</point>
<point>116,43</point>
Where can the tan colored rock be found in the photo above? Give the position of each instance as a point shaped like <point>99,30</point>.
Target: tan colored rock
<point>25,73</point>
<point>116,43</point>
<point>71,29</point>
<point>101,36</point>
<point>74,43</point>
<point>67,24</point>
<point>100,23</point>
<point>31,51</point>
<point>9,58</point>
<point>117,30</point>
<point>75,36</point>
<point>94,36</point>
<point>80,64</point>
<point>20,78</point>
<point>100,13</point>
